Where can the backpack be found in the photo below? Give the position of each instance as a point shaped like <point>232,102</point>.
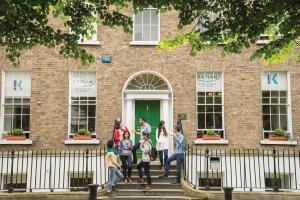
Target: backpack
<point>153,152</point>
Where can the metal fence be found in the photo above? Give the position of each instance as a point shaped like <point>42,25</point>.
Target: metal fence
<point>244,170</point>
<point>51,170</point>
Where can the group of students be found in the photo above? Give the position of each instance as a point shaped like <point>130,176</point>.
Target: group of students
<point>121,147</point>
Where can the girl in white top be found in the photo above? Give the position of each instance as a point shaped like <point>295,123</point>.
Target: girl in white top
<point>162,143</point>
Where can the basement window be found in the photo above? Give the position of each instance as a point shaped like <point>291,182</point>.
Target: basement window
<point>283,181</point>
<point>19,182</point>
<point>80,180</point>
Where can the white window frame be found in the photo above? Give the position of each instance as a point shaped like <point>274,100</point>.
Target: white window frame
<point>263,41</point>
<point>289,105</point>
<point>150,43</point>
<point>2,108</point>
<point>70,109</point>
<point>200,140</point>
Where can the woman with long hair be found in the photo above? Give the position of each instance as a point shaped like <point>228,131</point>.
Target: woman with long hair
<point>125,146</point>
<point>162,143</point>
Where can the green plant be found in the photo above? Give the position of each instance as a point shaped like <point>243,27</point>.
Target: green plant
<point>82,131</point>
<point>16,132</point>
<point>210,132</point>
<point>280,132</point>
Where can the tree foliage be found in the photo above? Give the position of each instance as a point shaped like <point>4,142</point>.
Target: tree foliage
<point>237,24</point>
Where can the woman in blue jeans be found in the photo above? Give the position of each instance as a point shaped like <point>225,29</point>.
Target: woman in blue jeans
<point>125,147</point>
<point>162,143</point>
<point>115,175</point>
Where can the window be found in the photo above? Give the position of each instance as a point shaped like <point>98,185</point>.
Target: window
<point>15,103</point>
<point>80,180</point>
<point>275,102</point>
<point>282,181</point>
<point>19,182</point>
<point>210,102</point>
<point>213,180</point>
<point>82,102</point>
<point>146,27</point>
<point>91,39</point>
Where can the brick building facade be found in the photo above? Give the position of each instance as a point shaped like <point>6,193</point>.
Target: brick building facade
<point>241,90</point>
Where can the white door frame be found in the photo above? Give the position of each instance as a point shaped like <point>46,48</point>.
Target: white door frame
<point>166,104</point>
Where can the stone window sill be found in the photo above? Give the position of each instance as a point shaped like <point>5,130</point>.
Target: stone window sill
<point>269,142</point>
<point>92,141</point>
<point>200,141</point>
<point>21,142</point>
<point>92,43</point>
<point>146,43</point>
<point>259,42</point>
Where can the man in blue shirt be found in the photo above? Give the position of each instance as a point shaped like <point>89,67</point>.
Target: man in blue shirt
<point>178,156</point>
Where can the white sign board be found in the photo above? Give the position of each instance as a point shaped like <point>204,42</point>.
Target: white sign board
<point>83,84</point>
<point>17,84</point>
<point>209,82</point>
<point>274,81</point>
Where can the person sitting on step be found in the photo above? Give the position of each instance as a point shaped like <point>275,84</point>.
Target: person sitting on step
<point>178,156</point>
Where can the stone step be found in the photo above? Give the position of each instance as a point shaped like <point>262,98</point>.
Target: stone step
<point>152,192</point>
<point>153,186</point>
<point>154,172</point>
<point>146,198</point>
<point>155,179</point>
<point>156,166</point>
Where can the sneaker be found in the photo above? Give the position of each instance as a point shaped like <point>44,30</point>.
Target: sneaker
<point>163,175</point>
<point>140,180</point>
<point>146,189</point>
<point>125,181</point>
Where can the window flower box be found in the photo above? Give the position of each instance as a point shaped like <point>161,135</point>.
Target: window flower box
<point>278,138</point>
<point>211,137</point>
<point>15,137</point>
<point>82,137</point>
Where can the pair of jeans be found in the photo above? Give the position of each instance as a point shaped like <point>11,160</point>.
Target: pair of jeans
<point>114,177</point>
<point>126,165</point>
<point>179,162</point>
<point>134,148</point>
<point>163,156</point>
<point>146,166</point>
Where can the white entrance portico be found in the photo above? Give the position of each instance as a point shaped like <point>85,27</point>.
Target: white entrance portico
<point>148,85</point>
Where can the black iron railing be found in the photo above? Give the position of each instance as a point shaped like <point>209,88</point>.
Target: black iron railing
<point>51,170</point>
<point>244,170</point>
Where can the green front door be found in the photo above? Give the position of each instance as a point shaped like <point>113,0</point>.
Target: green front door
<point>150,109</point>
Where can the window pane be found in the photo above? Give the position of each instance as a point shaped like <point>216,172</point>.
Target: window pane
<point>209,100</point>
<point>146,33</point>
<point>25,122</point>
<point>17,121</point>
<point>83,123</point>
<point>275,122</point>
<point>75,111</point>
<point>218,121</point>
<point>202,94</point>
<point>26,101</point>
<point>274,93</point>
<point>92,111</point>
<point>283,93</point>
<point>26,109</point>
<point>154,17</point>
<point>283,100</point>
<point>18,100</point>
<point>17,109</point>
<point>146,17</point>
<point>266,100</point>
<point>8,109</point>
<point>138,35</point>
<point>209,108</point>
<point>201,100</point>
<point>138,19</point>
<point>217,108</point>
<point>154,33</point>
<point>266,122</point>
<point>8,100</point>
<point>83,110</point>
<point>74,125</point>
<point>274,109</point>
<point>283,122</point>
<point>266,109</point>
<point>201,121</point>
<point>218,100</point>
<point>91,125</point>
<point>265,93</point>
<point>201,108</point>
<point>283,109</point>
<point>7,122</point>
<point>209,121</point>
<point>274,100</point>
